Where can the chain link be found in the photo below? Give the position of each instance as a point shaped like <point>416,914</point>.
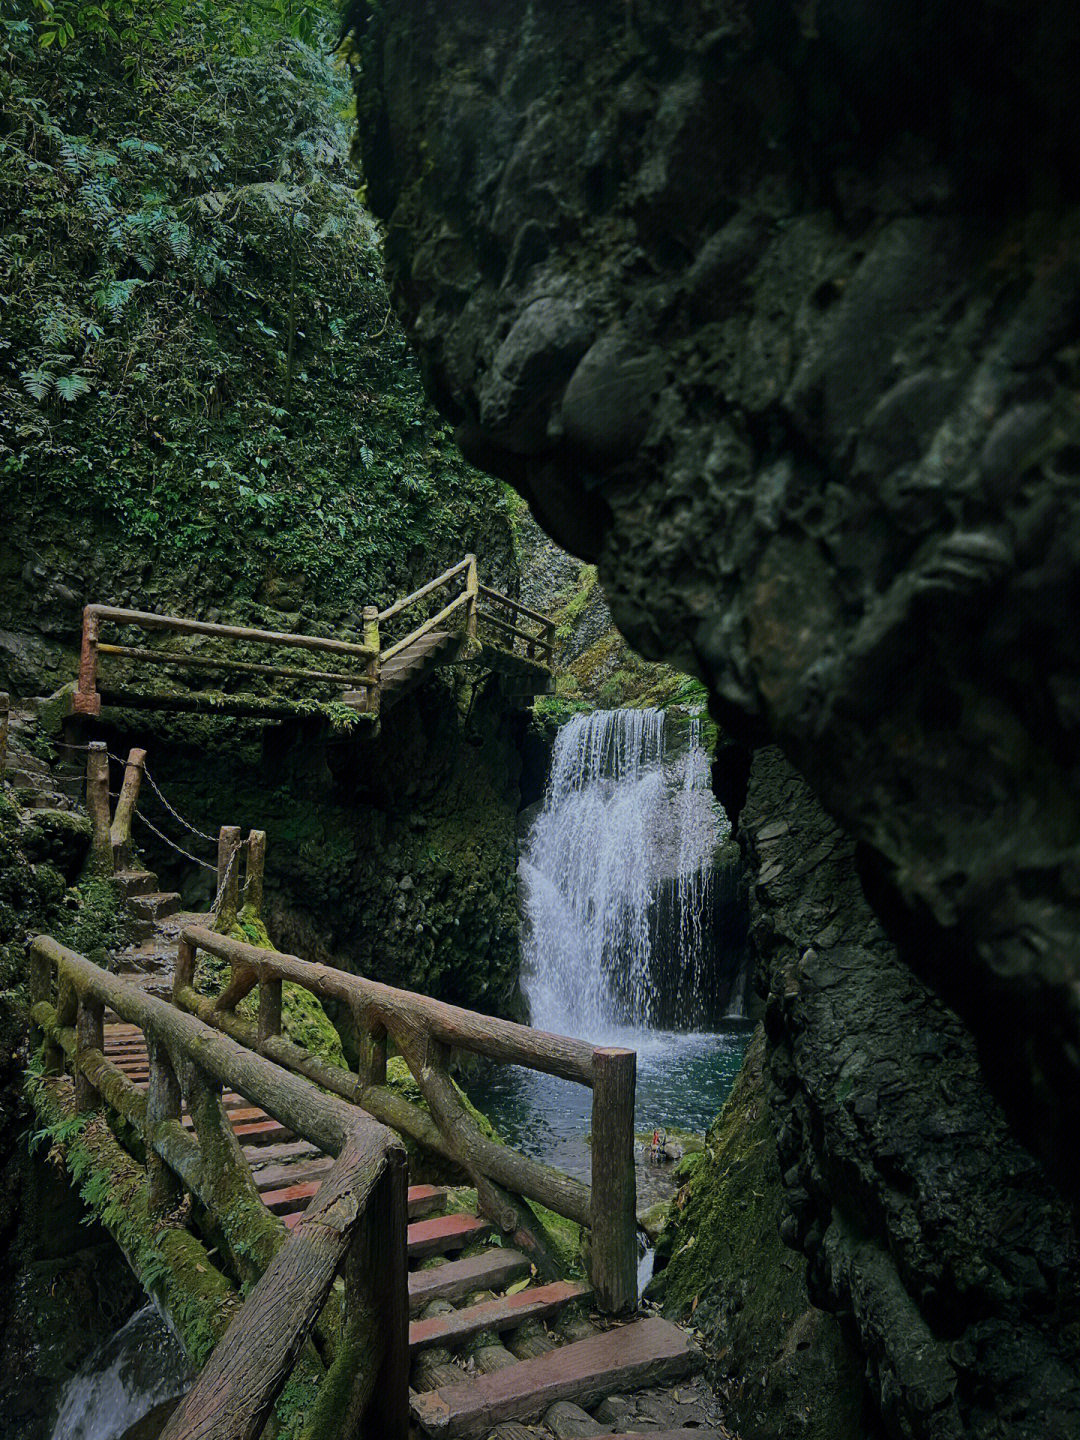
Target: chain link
<point>225,879</point>
<point>173,845</point>
<point>210,839</point>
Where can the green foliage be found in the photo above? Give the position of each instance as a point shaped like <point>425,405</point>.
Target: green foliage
<point>199,368</point>
<point>99,923</point>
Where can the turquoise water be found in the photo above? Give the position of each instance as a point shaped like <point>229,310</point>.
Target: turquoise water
<point>682,1081</point>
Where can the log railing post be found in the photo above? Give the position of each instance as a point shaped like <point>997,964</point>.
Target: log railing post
<point>5,706</point>
<point>228,878</point>
<point>269,1011</point>
<point>120,831</point>
<point>86,700</point>
<point>184,972</point>
<point>97,802</point>
<point>256,866</point>
<point>163,1102</point>
<point>89,1035</point>
<point>373,643</point>
<point>472,589</point>
<point>614,1256</point>
<point>371,1042</point>
<point>41,989</point>
<point>377,1274</point>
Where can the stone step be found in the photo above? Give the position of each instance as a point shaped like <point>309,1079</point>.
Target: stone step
<point>506,1313</point>
<point>443,1233</point>
<point>493,1269</point>
<point>645,1352</point>
<point>154,906</point>
<point>426,1200</point>
<point>135,882</point>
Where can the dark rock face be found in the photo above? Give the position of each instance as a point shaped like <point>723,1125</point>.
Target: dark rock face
<point>923,1220</point>
<point>773,310</point>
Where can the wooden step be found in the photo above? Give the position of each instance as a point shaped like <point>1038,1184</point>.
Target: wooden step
<point>443,1233</point>
<point>645,1352</point>
<point>426,1200</point>
<point>278,1176</point>
<point>492,1269</point>
<point>262,1132</point>
<point>693,1433</point>
<point>291,1197</point>
<point>503,1314</point>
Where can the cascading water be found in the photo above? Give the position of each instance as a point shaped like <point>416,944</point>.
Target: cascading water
<point>127,1388</point>
<point>617,876</point>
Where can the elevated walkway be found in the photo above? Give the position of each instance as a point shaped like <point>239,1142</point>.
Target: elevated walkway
<point>475,624</point>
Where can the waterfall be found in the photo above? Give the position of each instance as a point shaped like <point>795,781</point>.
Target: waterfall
<point>132,1378</point>
<point>616,875</point>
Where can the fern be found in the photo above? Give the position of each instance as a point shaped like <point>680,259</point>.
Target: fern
<point>71,387</point>
<point>38,383</point>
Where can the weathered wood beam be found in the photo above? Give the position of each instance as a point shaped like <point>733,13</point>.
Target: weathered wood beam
<point>233,1397</point>
<point>120,830</point>
<point>97,803</point>
<point>463,1029</point>
<point>177,659</point>
<point>613,1253</point>
<point>444,578</point>
<point>255,872</point>
<point>443,614</point>
<point>143,620</point>
<point>322,1119</point>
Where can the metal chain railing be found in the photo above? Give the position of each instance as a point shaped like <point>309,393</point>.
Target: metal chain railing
<point>172,843</point>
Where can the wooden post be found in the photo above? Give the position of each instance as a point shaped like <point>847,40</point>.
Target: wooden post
<point>41,989</point>
<point>614,1259</point>
<point>86,700</point>
<point>373,642</point>
<point>184,973</point>
<point>97,802</point>
<point>371,1042</point>
<point>228,878</point>
<point>163,1102</point>
<point>120,832</point>
<point>256,865</point>
<point>89,1035</point>
<point>269,1011</point>
<point>5,706</point>
<point>472,589</point>
<point>384,1258</point>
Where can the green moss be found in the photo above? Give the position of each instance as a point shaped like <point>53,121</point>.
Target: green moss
<point>99,925</point>
<point>563,1236</point>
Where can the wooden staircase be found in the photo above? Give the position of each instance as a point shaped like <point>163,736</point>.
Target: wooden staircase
<point>492,1347</point>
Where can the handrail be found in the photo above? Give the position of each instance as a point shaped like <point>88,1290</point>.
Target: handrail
<point>87,700</point>
<point>362,687</point>
<point>502,599</point>
<point>425,1031</point>
<point>416,595</point>
<point>360,1210</point>
<point>444,614</point>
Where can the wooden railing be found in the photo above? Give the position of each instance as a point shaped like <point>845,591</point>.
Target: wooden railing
<point>517,628</point>
<point>355,1226</point>
<point>425,1031</point>
<point>87,699</point>
<point>538,644</point>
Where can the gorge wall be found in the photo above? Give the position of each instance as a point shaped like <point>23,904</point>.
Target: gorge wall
<point>772,312</point>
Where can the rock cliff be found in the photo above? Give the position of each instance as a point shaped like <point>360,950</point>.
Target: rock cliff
<point>772,311</point>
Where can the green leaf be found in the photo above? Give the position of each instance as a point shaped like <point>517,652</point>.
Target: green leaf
<point>71,387</point>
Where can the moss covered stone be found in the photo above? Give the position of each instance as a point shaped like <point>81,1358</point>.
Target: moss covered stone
<point>773,1353</point>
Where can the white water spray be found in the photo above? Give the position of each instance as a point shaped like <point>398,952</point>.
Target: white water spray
<point>624,827</point>
<point>136,1371</point>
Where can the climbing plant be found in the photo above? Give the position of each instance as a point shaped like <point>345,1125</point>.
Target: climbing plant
<point>198,359</point>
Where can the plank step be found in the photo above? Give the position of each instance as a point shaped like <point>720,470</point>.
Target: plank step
<point>493,1269</point>
<point>426,1200</point>
<point>693,1433</point>
<point>504,1314</point>
<point>443,1233</point>
<point>645,1352</point>
<point>290,1197</point>
<point>261,1132</point>
<point>280,1176</point>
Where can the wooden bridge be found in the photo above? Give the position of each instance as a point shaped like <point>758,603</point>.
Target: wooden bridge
<point>476,624</point>
<point>249,1161</point>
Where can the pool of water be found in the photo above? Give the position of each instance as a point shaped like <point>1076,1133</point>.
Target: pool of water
<point>682,1081</point>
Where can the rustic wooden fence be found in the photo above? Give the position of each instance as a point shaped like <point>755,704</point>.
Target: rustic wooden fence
<point>356,1226</point>
<point>425,1031</point>
<point>475,604</point>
